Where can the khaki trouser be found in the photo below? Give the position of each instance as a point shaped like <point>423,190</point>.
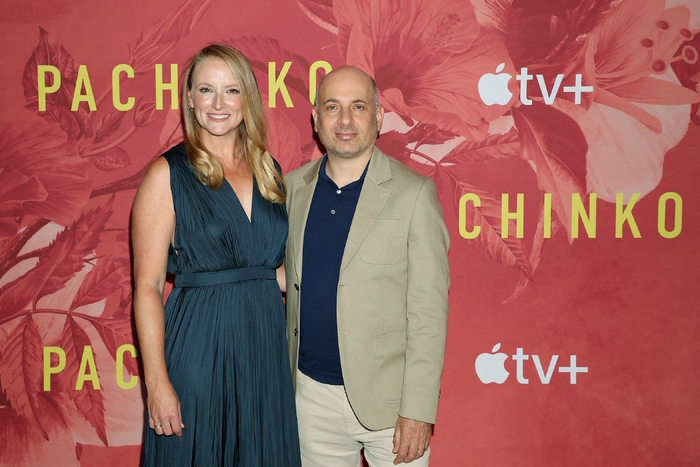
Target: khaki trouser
<point>331,435</point>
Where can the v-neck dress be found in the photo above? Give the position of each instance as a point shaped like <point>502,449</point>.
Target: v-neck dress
<point>225,340</point>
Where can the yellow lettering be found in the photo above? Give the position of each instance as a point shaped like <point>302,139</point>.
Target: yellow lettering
<point>48,369</point>
<point>277,84</point>
<point>120,366</point>
<point>312,78</point>
<point>577,210</point>
<point>88,360</point>
<point>83,81</point>
<point>161,86</point>
<point>463,215</point>
<point>116,100</point>
<point>678,217</point>
<point>517,215</point>
<point>624,214</point>
<point>43,89</point>
<point>547,212</point>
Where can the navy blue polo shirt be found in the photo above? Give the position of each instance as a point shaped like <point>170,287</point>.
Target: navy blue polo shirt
<point>330,216</point>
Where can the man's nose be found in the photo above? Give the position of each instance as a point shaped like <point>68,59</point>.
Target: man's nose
<point>345,117</point>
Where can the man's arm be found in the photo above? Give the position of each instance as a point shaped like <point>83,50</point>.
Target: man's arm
<point>427,305</point>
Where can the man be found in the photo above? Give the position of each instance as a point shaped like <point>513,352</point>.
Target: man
<point>367,280</point>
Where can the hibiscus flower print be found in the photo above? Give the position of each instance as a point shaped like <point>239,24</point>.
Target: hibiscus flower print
<point>427,57</point>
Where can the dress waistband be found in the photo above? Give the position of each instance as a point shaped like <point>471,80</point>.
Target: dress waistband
<point>200,279</point>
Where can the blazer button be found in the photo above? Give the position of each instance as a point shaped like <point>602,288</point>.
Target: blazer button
<point>296,286</point>
<point>296,331</point>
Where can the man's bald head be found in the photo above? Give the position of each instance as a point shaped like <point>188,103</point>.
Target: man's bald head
<point>352,72</point>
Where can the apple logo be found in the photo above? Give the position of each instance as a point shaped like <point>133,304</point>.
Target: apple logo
<point>493,89</point>
<point>490,367</point>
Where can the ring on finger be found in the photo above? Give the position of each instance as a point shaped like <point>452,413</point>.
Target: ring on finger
<point>155,427</point>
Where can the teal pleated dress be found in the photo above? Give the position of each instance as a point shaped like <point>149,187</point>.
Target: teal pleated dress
<point>225,341</point>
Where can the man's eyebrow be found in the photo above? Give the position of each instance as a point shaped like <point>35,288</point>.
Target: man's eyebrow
<point>337,101</point>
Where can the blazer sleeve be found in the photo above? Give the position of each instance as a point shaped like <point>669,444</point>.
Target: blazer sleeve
<point>427,306</point>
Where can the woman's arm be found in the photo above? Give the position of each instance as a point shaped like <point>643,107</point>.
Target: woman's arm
<point>282,278</point>
<point>152,229</point>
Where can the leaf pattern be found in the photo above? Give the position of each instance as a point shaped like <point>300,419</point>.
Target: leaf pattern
<point>107,277</point>
<point>16,295</point>
<point>107,125</point>
<point>538,245</point>
<point>166,34</point>
<point>394,143</point>
<point>113,159</point>
<point>72,246</point>
<point>58,104</point>
<point>510,251</point>
<point>22,373</point>
<point>89,401</point>
<point>494,147</point>
<point>426,57</point>
<point>285,142</point>
<point>555,145</point>
<point>47,172</point>
<point>427,133</point>
<point>262,50</point>
<point>115,332</point>
<point>41,152</point>
<point>144,114</point>
<point>16,189</point>
<point>321,13</point>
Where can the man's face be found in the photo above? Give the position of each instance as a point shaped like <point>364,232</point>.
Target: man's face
<point>346,121</point>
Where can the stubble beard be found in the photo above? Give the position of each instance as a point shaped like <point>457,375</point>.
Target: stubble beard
<point>332,148</point>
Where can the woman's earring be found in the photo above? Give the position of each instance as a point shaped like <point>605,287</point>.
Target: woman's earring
<point>188,114</point>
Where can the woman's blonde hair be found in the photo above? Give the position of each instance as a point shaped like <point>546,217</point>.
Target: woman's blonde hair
<point>252,132</point>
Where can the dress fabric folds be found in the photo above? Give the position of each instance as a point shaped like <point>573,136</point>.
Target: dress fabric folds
<point>225,343</point>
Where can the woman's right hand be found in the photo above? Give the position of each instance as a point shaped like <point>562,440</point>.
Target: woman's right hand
<point>164,414</point>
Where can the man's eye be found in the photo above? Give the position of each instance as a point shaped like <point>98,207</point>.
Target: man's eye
<point>359,107</point>
<point>331,107</point>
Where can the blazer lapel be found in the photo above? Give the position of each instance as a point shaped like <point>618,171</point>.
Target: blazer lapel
<point>372,200</point>
<point>300,212</point>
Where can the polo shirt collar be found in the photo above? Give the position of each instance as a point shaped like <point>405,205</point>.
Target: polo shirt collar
<point>324,176</point>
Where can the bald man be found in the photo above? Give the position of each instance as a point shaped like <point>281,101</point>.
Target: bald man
<point>367,280</point>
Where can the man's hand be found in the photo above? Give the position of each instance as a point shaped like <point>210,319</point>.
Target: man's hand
<point>411,439</point>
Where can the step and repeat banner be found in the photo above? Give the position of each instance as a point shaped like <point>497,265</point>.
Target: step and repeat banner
<point>563,136</point>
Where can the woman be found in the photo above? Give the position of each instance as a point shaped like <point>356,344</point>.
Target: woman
<point>211,211</point>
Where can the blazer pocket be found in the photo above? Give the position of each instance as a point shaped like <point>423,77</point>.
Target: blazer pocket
<point>383,244</point>
<point>390,359</point>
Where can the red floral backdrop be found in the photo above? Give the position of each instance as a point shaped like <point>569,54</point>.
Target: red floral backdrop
<point>553,299</point>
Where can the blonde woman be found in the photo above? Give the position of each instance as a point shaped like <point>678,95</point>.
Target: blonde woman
<point>211,212</point>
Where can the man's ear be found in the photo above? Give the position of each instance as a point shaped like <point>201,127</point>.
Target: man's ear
<point>314,114</point>
<point>380,117</point>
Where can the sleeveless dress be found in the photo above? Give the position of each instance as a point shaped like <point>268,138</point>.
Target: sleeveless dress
<point>225,341</point>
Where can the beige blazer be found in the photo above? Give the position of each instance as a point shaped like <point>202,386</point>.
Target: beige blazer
<point>392,291</point>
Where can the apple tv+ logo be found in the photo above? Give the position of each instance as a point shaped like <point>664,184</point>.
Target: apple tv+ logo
<point>493,88</point>
<point>490,367</point>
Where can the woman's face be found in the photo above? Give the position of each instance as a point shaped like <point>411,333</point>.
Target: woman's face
<point>216,99</point>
